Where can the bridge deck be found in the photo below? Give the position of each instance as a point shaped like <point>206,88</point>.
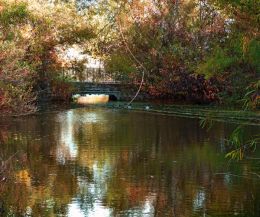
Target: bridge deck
<point>97,92</point>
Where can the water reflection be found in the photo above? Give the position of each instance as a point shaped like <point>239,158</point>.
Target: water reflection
<point>96,162</point>
<point>67,149</point>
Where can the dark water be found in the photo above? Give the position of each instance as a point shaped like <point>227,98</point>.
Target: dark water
<point>100,162</point>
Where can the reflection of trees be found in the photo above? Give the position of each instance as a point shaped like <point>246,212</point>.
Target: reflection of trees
<point>125,162</point>
<point>40,186</point>
<point>143,162</point>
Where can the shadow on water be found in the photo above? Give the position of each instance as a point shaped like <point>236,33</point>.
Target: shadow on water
<point>105,162</point>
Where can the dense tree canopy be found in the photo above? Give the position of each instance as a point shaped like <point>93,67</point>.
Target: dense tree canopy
<point>202,51</point>
<point>30,33</point>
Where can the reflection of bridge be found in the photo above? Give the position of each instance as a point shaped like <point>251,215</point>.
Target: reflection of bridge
<point>115,90</point>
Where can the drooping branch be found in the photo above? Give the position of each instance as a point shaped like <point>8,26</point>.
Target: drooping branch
<point>136,60</point>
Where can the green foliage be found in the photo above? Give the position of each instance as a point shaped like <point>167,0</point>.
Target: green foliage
<point>254,54</point>
<point>239,146</point>
<point>13,14</point>
<point>217,63</point>
<point>252,98</point>
<point>206,123</point>
<point>120,66</point>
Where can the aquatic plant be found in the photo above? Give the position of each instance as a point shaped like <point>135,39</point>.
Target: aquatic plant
<point>239,145</point>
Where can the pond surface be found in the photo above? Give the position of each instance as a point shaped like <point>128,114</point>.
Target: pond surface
<point>104,162</point>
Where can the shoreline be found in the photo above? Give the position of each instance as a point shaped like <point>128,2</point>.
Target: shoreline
<point>202,112</point>
<point>190,111</point>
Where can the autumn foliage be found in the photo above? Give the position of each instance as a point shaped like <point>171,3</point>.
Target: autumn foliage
<point>198,51</point>
<point>30,68</point>
<point>202,51</point>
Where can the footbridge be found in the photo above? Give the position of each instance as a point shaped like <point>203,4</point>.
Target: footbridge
<point>115,90</point>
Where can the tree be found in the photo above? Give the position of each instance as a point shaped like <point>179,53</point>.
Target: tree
<point>30,36</point>
<point>192,50</point>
